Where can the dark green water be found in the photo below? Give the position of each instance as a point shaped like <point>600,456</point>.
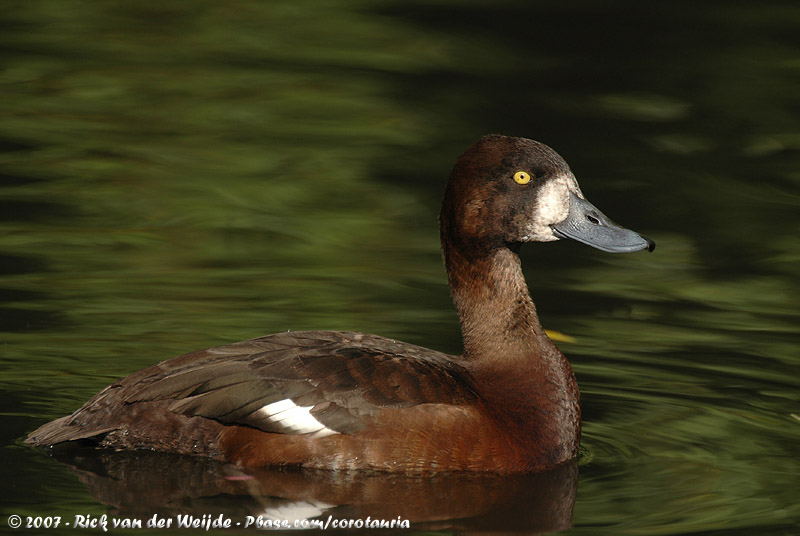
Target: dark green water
<point>177,175</point>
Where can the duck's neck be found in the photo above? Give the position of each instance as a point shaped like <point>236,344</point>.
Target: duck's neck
<point>518,368</point>
<point>493,304</point>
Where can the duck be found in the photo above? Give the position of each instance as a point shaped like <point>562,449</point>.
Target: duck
<point>342,401</point>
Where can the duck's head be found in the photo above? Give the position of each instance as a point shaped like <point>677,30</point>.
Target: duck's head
<point>506,191</point>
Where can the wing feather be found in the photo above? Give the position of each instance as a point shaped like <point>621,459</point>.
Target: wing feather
<point>334,379</point>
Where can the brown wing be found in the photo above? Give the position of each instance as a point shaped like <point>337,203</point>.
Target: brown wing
<point>339,377</point>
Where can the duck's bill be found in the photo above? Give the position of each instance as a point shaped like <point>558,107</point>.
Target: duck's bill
<point>585,223</point>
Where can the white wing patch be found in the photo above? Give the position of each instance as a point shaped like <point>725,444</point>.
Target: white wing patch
<point>297,419</point>
<point>297,511</point>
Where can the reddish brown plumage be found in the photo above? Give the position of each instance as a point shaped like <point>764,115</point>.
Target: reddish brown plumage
<point>509,404</point>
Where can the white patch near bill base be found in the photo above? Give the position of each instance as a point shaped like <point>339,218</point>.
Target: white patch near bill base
<point>552,207</point>
<point>296,418</point>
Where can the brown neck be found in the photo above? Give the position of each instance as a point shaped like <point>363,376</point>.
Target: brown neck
<point>493,303</point>
<point>498,317</point>
<point>519,369</point>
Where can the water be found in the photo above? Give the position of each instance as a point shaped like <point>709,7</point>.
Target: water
<point>177,176</point>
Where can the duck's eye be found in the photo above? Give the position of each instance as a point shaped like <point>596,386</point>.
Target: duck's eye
<point>522,177</point>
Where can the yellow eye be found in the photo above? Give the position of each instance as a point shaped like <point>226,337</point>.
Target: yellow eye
<point>522,177</point>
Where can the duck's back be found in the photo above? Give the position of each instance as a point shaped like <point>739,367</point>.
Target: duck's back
<point>312,384</point>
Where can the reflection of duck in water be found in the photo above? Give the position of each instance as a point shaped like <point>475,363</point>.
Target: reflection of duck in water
<point>342,400</point>
<point>141,484</point>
